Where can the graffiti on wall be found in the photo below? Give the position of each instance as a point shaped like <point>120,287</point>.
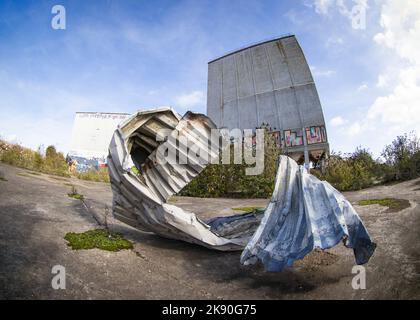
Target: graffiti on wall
<point>316,134</point>
<point>277,138</point>
<point>293,137</point>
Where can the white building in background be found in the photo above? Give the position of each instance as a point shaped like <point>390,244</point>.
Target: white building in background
<point>92,132</point>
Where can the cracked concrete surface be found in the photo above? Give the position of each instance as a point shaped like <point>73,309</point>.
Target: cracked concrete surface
<point>35,214</point>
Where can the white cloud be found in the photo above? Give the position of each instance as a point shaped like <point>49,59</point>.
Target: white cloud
<point>346,7</point>
<point>382,81</point>
<point>354,9</point>
<point>334,41</point>
<point>293,17</point>
<point>355,129</point>
<point>11,138</point>
<point>397,111</point>
<point>323,6</point>
<point>190,100</point>
<point>320,72</point>
<point>400,108</point>
<point>363,87</point>
<point>337,121</point>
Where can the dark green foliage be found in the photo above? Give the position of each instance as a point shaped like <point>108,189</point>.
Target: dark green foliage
<point>402,158</point>
<point>97,238</point>
<point>353,171</point>
<point>230,180</point>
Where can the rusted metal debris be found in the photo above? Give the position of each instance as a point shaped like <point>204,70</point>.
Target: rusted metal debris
<point>304,213</point>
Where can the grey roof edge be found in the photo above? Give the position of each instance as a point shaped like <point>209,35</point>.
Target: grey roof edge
<point>287,35</point>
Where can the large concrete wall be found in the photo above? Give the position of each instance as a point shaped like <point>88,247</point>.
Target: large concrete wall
<point>269,83</point>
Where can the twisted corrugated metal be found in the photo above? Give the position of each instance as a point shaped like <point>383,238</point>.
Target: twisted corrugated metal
<point>304,213</point>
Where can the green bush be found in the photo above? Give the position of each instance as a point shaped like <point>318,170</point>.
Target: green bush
<point>402,158</point>
<point>353,171</point>
<point>230,180</point>
<point>52,163</point>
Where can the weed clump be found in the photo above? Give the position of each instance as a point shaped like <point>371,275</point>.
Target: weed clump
<point>74,194</point>
<point>97,238</point>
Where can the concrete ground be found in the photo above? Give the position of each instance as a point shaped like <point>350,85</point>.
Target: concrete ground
<point>36,213</point>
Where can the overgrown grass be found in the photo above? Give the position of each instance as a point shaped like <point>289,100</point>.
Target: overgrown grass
<point>97,238</point>
<point>393,205</point>
<point>74,194</point>
<point>52,162</point>
<point>247,209</point>
<point>100,175</point>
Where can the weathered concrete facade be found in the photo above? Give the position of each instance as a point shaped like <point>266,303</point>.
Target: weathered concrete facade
<point>269,84</point>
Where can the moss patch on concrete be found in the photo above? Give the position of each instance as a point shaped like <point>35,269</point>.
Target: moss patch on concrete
<point>394,205</point>
<point>97,238</point>
<point>247,209</point>
<point>74,194</point>
<point>77,196</point>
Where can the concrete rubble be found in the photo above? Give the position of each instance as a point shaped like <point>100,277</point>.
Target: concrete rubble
<point>303,214</point>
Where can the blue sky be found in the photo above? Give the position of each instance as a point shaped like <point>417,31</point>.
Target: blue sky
<point>120,56</point>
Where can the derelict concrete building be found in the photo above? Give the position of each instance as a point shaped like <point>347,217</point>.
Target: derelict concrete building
<point>269,84</point>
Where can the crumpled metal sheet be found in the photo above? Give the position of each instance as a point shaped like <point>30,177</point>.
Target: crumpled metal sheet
<point>304,213</point>
<point>139,200</point>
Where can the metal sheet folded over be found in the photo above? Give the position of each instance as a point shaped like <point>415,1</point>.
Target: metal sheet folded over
<point>304,213</point>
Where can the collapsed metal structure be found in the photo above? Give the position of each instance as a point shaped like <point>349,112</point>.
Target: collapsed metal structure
<point>304,212</point>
